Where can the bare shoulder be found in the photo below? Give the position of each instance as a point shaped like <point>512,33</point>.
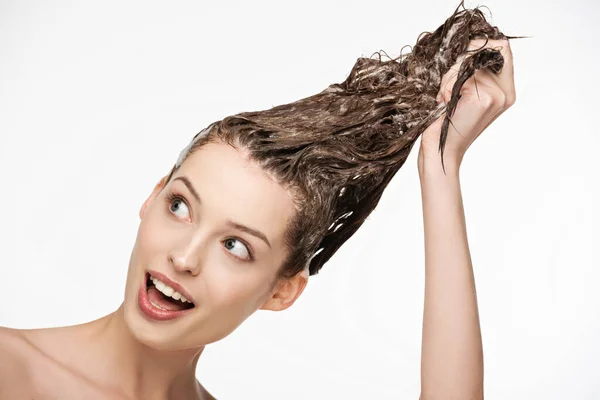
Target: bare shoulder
<point>13,347</point>
<point>15,372</point>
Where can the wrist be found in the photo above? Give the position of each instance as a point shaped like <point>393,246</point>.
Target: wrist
<point>432,164</point>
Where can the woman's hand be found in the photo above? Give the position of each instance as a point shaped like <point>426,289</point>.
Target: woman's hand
<point>485,96</point>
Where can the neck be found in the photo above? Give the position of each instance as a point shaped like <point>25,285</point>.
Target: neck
<point>136,369</point>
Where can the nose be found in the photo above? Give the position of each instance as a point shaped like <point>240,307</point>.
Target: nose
<point>187,255</point>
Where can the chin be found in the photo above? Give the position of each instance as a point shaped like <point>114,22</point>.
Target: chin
<point>160,338</point>
<point>161,335</point>
<point>190,329</point>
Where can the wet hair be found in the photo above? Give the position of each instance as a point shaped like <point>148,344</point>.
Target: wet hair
<point>336,151</point>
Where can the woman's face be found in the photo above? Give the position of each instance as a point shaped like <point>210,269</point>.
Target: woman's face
<point>191,232</point>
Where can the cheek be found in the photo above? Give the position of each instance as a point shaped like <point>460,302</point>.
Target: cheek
<point>229,297</point>
<point>149,246</point>
<point>153,236</point>
<point>238,293</point>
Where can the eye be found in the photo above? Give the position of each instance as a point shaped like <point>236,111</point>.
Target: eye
<point>241,251</point>
<point>177,206</point>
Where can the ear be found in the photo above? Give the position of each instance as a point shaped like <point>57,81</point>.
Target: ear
<point>159,186</point>
<point>286,291</point>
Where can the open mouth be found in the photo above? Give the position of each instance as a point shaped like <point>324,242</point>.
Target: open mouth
<point>164,297</point>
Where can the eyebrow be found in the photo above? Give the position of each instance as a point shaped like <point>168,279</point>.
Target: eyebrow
<point>190,187</point>
<point>249,230</point>
<point>233,224</point>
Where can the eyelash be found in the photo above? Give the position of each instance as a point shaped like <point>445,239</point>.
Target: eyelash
<point>171,197</point>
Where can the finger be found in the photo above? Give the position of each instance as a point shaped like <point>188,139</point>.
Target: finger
<point>505,78</point>
<point>507,75</point>
<point>487,95</point>
<point>483,90</point>
<point>448,81</point>
<point>482,100</point>
<point>482,78</point>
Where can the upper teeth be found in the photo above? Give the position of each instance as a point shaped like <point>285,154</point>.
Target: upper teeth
<point>168,290</point>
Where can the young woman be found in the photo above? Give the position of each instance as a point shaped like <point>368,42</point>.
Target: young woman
<point>211,250</point>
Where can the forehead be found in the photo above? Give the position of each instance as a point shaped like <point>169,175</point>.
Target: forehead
<point>231,186</point>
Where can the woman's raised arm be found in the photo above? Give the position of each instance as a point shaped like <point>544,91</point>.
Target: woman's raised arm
<point>452,354</point>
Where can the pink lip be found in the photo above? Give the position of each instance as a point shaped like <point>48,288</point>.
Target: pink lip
<point>164,279</point>
<point>153,312</point>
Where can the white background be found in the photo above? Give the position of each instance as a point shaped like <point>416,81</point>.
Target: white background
<point>97,99</point>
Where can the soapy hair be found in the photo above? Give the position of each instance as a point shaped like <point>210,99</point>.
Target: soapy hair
<point>336,151</point>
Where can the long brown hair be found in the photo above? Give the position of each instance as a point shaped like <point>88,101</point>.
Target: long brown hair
<point>337,150</point>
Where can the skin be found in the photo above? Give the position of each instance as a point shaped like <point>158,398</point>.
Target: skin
<point>126,356</point>
<point>452,352</point>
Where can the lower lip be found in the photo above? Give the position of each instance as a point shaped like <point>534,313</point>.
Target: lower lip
<point>155,313</point>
